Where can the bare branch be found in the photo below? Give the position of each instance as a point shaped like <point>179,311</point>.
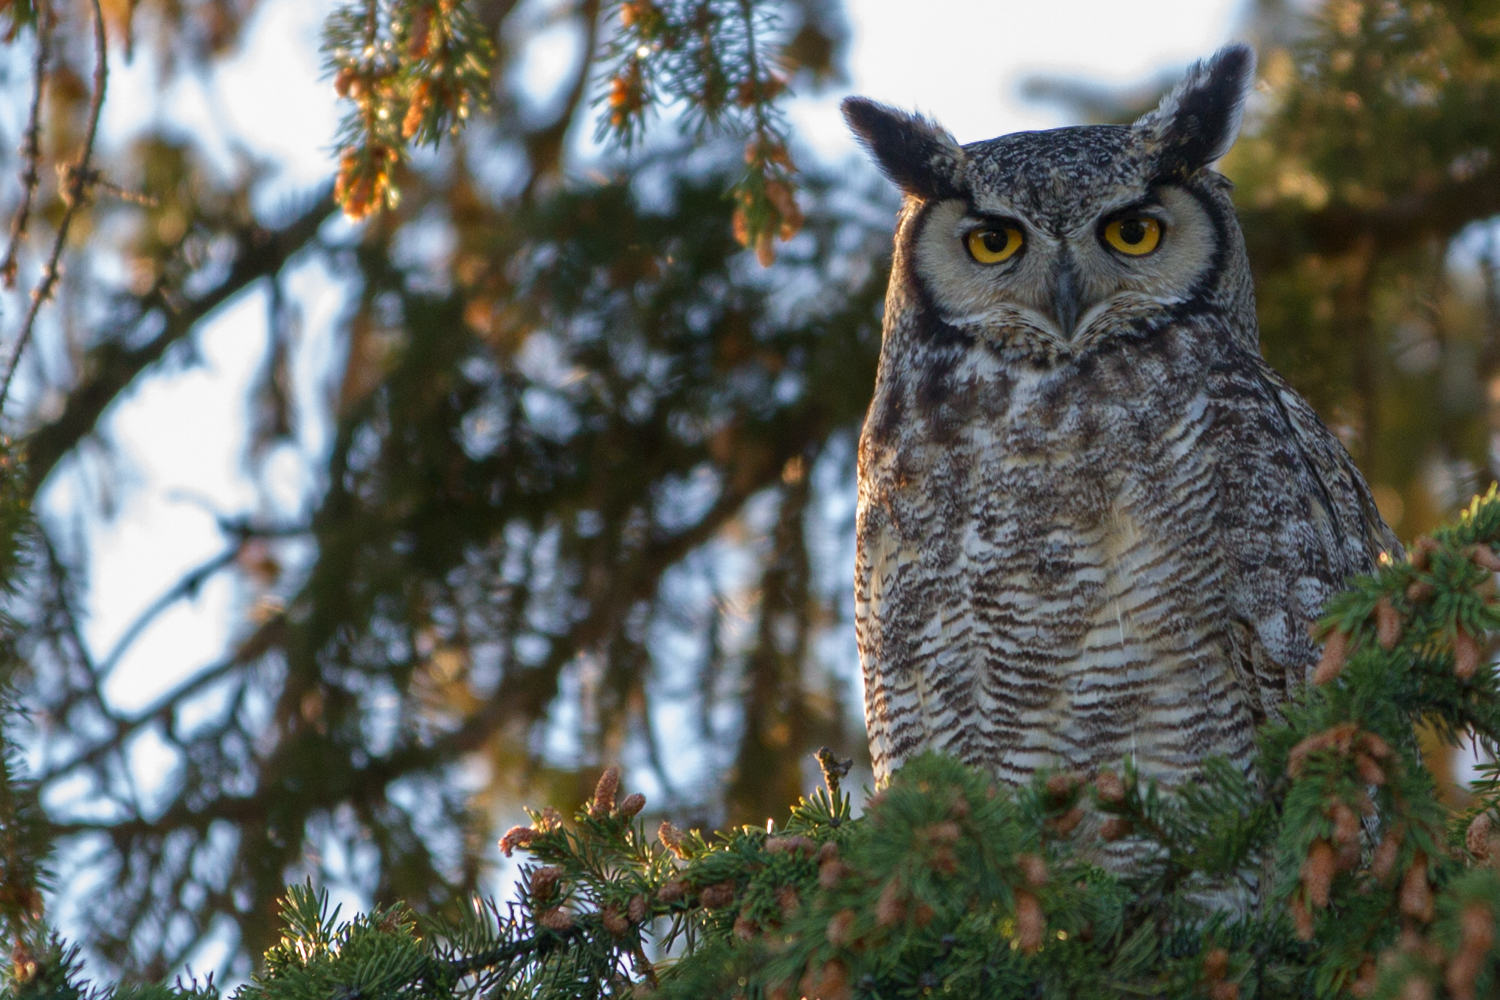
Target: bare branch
<point>525,695</point>
<point>1277,236</point>
<point>76,180</point>
<point>269,634</point>
<point>545,145</point>
<point>31,145</point>
<point>187,586</point>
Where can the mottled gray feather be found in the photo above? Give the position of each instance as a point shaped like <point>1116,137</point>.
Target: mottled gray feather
<point>1078,545</point>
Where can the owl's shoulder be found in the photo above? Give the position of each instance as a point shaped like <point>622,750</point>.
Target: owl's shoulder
<point>1282,433</point>
<point>1297,519</point>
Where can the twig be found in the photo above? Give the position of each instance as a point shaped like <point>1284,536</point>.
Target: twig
<point>31,146</point>
<point>834,771</point>
<point>504,954</point>
<point>190,584</point>
<point>747,17</point>
<point>643,964</point>
<point>254,645</point>
<point>186,587</point>
<point>65,603</point>
<point>76,178</point>
<point>130,197</point>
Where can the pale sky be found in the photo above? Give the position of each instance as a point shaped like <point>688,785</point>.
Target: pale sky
<point>963,62</point>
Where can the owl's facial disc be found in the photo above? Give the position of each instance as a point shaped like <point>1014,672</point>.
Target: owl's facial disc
<point>993,271</point>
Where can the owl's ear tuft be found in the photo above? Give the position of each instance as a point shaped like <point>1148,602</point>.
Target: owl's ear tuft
<point>1199,120</point>
<point>918,154</point>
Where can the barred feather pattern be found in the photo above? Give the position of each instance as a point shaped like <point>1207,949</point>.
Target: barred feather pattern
<point>1118,556</point>
<point>1073,552</point>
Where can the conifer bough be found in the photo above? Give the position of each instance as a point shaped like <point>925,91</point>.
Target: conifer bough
<point>416,70</point>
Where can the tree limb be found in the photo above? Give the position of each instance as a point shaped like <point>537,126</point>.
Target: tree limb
<point>112,366</point>
<point>1402,222</point>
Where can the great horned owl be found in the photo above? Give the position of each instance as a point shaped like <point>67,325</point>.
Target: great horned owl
<point>1092,521</point>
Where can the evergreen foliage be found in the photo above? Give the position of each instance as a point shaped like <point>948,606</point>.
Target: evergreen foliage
<point>713,60</point>
<point>415,70</point>
<point>1334,868</point>
<point>551,437</point>
<point>24,834</point>
<point>41,964</point>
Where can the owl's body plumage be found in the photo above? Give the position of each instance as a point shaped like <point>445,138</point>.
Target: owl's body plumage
<point>1092,522</point>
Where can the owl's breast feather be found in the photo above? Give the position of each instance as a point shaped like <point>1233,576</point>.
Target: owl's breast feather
<point>1057,600</point>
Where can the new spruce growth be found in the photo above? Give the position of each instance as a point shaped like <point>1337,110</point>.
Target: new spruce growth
<point>714,61</point>
<point>415,71</point>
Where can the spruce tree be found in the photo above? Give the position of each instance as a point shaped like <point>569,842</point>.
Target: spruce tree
<point>490,522</point>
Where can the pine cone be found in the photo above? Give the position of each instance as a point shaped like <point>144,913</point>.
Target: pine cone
<point>1416,894</point>
<point>1335,655</point>
<point>1031,924</point>
<point>1388,623</point>
<point>1477,837</point>
<point>1317,873</point>
<point>603,802</point>
<point>840,928</point>
<point>720,894</point>
<point>1109,787</point>
<point>517,836</point>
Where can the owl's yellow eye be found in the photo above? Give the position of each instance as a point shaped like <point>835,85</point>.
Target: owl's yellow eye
<point>991,246</point>
<point>1135,235</point>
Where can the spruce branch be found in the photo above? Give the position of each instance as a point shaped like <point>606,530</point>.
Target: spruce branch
<point>415,71</point>
<point>710,59</point>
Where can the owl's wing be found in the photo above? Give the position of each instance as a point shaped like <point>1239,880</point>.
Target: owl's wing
<point>894,712</point>
<point>1297,521</point>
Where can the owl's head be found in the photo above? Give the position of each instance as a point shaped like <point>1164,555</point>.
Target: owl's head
<point>1052,243</point>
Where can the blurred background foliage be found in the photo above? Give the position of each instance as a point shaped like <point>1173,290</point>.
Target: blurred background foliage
<point>587,490</point>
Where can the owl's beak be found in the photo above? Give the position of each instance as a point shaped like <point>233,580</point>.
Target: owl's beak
<point>1066,302</point>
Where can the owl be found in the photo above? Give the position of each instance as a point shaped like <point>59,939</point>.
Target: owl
<point>1092,522</point>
